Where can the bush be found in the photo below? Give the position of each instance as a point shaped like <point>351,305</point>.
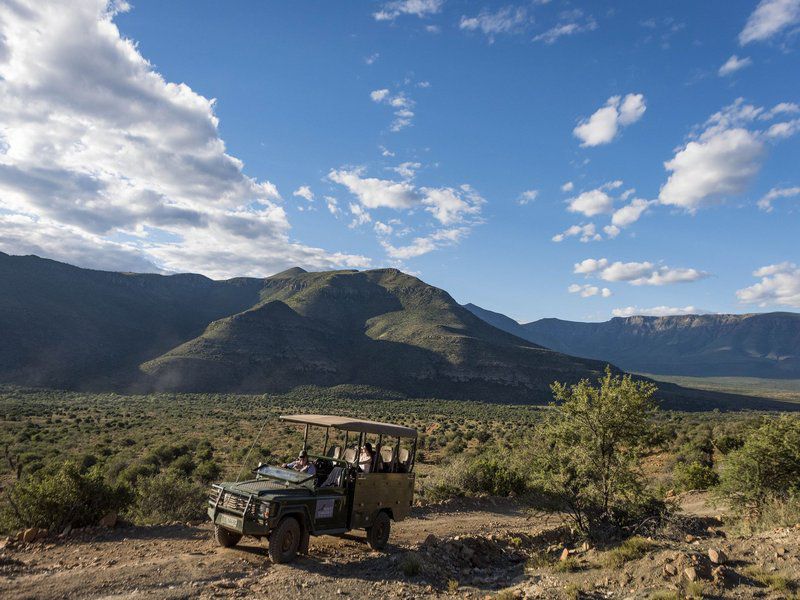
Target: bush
<point>169,496</point>
<point>694,476</point>
<point>766,467</point>
<point>68,496</point>
<point>492,475</point>
<point>484,474</point>
<point>587,452</point>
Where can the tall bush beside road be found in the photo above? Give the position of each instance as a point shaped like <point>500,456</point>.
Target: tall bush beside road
<point>765,472</point>
<point>586,454</point>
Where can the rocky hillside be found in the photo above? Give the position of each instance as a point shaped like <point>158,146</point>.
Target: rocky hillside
<point>61,326</point>
<point>67,327</point>
<point>752,345</point>
<point>381,328</point>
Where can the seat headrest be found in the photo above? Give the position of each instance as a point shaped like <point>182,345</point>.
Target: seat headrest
<point>387,454</point>
<point>404,455</point>
<point>349,455</point>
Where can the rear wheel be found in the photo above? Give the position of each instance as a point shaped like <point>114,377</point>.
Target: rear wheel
<point>378,534</point>
<point>225,537</point>
<point>284,541</point>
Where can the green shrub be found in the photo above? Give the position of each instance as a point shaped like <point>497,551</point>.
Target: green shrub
<point>766,467</point>
<point>493,475</point>
<point>169,496</point>
<point>68,496</point>
<point>208,471</point>
<point>694,476</point>
<point>484,474</point>
<point>587,453</point>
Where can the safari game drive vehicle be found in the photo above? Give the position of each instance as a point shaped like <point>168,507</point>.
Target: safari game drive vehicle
<point>287,506</point>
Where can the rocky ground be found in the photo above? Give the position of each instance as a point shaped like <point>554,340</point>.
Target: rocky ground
<point>482,548</point>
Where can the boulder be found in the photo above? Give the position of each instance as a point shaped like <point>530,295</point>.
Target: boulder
<point>719,574</point>
<point>564,554</point>
<point>690,574</point>
<point>670,569</point>
<point>717,556</point>
<point>30,534</point>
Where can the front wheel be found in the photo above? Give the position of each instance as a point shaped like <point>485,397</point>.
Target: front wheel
<point>225,537</point>
<point>378,534</point>
<point>284,541</point>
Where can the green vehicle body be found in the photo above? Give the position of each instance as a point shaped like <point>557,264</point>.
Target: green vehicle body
<point>257,507</point>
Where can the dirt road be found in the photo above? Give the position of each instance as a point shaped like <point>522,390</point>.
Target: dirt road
<point>466,548</point>
<point>182,561</point>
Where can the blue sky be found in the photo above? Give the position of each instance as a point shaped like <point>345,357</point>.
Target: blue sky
<point>569,159</point>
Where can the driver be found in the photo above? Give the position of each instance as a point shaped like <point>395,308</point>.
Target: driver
<point>302,464</point>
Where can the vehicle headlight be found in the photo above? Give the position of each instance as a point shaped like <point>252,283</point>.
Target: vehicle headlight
<point>263,511</point>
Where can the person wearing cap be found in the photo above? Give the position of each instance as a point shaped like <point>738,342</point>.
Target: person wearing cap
<point>302,464</point>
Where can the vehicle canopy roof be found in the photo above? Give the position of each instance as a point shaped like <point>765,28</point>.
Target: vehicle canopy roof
<point>350,424</point>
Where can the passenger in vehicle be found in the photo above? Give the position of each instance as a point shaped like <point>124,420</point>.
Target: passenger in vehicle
<point>302,464</point>
<point>366,457</point>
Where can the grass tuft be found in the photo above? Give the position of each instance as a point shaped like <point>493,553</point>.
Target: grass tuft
<point>410,564</point>
<point>631,549</point>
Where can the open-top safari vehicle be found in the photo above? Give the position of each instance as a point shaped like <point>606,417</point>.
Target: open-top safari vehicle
<point>349,490</point>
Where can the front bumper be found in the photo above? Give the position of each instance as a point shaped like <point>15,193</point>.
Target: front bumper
<point>237,523</point>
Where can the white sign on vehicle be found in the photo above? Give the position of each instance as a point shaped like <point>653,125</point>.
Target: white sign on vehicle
<point>324,508</point>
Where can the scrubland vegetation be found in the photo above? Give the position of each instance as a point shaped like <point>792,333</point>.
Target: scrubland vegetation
<point>604,454</point>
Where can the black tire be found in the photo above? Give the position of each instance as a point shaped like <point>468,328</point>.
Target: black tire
<point>225,537</point>
<point>378,534</point>
<point>284,541</point>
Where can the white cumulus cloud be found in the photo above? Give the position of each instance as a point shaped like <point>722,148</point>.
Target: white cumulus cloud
<point>765,202</point>
<point>733,64</point>
<point>455,210</point>
<point>570,23</point>
<point>770,18</point>
<point>527,197</point>
<point>587,291</point>
<point>389,11</point>
<point>401,105</point>
<point>779,285</point>
<point>636,273</point>
<point>591,203</point>
<point>586,233</point>
<point>629,214</point>
<point>304,192</point>
<point>508,19</point>
<point>102,156</point>
<point>724,157</point>
<point>657,311</point>
<point>604,124</point>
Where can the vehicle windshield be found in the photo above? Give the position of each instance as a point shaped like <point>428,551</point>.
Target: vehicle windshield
<point>282,474</point>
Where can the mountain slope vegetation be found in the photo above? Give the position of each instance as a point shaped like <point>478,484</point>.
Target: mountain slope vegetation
<point>748,345</point>
<point>381,328</point>
<point>73,328</point>
<point>63,326</point>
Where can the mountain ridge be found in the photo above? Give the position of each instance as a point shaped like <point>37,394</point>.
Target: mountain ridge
<point>763,345</point>
<point>63,326</point>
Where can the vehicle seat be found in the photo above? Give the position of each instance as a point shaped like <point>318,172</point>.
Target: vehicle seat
<point>404,458</point>
<point>334,452</point>
<point>349,455</point>
<point>387,457</point>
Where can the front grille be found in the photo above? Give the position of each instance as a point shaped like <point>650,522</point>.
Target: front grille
<point>231,501</point>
